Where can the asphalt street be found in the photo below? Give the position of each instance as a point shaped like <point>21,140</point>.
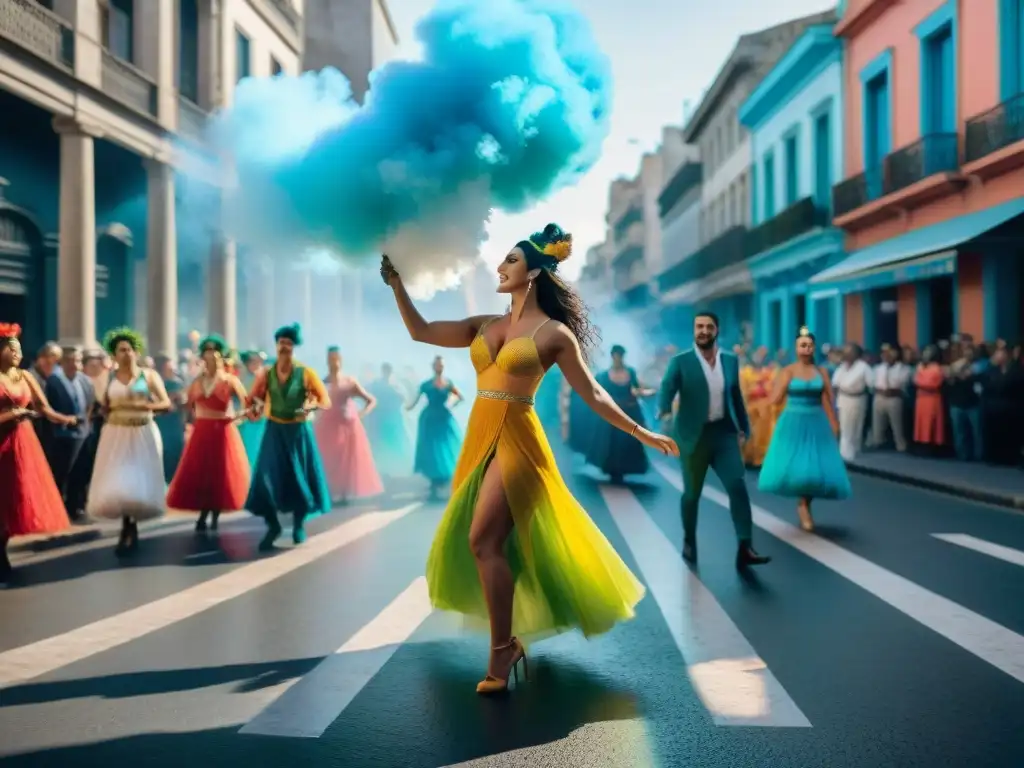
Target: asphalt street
<point>893,637</point>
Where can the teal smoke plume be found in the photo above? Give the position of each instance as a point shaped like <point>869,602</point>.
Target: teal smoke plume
<point>510,102</point>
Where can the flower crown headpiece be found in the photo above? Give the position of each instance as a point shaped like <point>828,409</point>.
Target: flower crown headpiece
<point>10,330</point>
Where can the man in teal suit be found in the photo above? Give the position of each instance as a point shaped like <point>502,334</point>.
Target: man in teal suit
<point>709,428</point>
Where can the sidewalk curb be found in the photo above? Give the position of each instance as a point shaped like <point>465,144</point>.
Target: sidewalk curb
<point>56,542</point>
<point>952,489</point>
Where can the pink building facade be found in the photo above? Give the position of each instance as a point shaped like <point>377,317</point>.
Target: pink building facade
<point>933,206</point>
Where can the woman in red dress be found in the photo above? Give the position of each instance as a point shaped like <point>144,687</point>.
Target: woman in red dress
<point>30,502</point>
<point>213,475</point>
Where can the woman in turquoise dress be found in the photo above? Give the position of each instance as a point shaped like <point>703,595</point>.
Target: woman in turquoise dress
<point>611,450</point>
<point>438,439</point>
<point>803,460</point>
<point>386,426</point>
<point>251,431</point>
<point>171,423</point>
<point>289,474</point>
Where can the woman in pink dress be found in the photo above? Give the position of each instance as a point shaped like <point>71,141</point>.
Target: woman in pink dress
<point>30,502</point>
<point>929,413</point>
<point>341,437</point>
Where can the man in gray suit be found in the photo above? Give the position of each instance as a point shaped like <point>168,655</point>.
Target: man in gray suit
<point>709,428</point>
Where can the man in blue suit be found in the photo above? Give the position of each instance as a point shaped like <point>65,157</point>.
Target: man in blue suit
<point>70,392</point>
<point>709,428</point>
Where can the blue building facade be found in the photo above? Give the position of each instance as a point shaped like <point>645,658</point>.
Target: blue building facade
<point>796,124</point>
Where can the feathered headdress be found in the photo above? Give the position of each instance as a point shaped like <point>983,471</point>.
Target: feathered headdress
<point>547,249</point>
<point>10,331</point>
<point>117,335</point>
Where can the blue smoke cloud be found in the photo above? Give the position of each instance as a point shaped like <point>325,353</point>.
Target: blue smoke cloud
<point>511,102</point>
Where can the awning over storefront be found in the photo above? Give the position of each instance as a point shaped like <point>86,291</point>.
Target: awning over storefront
<point>919,255</point>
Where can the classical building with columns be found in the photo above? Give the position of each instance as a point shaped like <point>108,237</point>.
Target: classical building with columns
<point>104,104</point>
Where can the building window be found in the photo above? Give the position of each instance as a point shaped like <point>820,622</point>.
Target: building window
<point>876,79</point>
<point>823,160</point>
<point>1011,48</point>
<point>769,185</point>
<point>792,169</point>
<point>938,72</point>
<point>117,25</point>
<point>188,50</point>
<point>275,66</point>
<point>243,56</point>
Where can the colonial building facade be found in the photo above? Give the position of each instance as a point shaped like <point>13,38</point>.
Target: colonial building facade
<point>935,151</point>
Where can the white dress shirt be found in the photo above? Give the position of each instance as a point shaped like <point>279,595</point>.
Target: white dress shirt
<point>852,380</point>
<point>716,386</point>
<point>895,376</point>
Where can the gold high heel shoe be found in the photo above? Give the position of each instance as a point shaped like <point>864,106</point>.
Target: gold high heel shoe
<point>491,685</point>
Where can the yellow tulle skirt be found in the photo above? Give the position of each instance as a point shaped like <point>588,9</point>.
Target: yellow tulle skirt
<point>567,574</point>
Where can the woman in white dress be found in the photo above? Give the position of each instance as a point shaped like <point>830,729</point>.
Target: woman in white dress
<point>128,476</point>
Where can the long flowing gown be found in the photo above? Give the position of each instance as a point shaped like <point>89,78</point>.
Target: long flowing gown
<point>213,473</point>
<point>128,475</point>
<point>388,430</point>
<point>756,385</point>
<point>611,450</point>
<point>567,575</point>
<point>438,437</point>
<point>30,502</point>
<point>803,459</point>
<point>344,447</point>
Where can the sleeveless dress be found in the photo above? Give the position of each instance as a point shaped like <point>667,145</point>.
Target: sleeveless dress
<point>438,437</point>
<point>251,431</point>
<point>344,447</point>
<point>388,432</point>
<point>213,474</point>
<point>289,474</point>
<point>803,458</point>
<point>611,450</point>
<point>30,502</point>
<point>128,474</point>
<point>567,575</point>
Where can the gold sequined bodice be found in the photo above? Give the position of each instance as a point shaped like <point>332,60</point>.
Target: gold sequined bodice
<point>516,369</point>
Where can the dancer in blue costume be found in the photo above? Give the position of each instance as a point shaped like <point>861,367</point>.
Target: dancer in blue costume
<point>611,450</point>
<point>438,440</point>
<point>289,474</point>
<point>803,460</point>
<point>251,431</point>
<point>387,428</point>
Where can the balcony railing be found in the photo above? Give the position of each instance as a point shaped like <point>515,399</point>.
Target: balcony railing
<point>724,251</point>
<point>191,120</point>
<point>632,215</point>
<point>685,179</point>
<point>801,217</point>
<point>991,131</point>
<point>128,85</point>
<point>931,154</point>
<point>38,30</point>
<point>624,258</point>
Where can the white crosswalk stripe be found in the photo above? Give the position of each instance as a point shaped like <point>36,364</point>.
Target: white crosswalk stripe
<point>998,551</point>
<point>976,634</point>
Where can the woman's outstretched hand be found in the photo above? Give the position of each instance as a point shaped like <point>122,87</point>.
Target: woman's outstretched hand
<point>661,443</point>
<point>388,273</point>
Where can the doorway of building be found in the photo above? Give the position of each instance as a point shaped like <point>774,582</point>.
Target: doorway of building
<point>21,277</point>
<point>943,312</point>
<point>114,281</point>
<point>887,331</point>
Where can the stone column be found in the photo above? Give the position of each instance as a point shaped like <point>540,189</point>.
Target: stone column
<point>222,289</point>
<point>76,261</point>
<point>162,260</point>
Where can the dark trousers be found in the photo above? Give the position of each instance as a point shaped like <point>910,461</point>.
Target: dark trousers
<point>717,449</point>
<point>69,461</point>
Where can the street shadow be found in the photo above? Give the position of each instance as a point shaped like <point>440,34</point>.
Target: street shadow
<point>834,532</point>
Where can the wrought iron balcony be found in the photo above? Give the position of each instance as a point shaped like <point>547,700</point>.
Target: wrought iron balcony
<point>128,85</point>
<point>632,215</point>
<point>929,155</point>
<point>724,251</point>
<point>38,30</point>
<point>191,120</point>
<point>685,179</point>
<point>993,130</point>
<point>801,217</point>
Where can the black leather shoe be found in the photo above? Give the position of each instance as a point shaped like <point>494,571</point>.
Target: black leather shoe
<point>690,551</point>
<point>747,556</point>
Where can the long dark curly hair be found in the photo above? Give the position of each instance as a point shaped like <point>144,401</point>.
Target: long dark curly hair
<point>556,298</point>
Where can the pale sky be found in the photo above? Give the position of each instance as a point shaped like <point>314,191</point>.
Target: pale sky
<point>663,52</point>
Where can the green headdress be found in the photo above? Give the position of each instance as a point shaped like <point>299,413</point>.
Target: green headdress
<point>115,336</point>
<point>218,342</point>
<point>291,332</point>
<point>547,249</point>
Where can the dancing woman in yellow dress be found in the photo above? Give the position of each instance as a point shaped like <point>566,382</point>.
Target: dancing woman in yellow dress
<point>514,547</point>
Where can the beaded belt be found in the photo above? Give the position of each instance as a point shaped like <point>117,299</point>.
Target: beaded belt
<point>121,419</point>
<point>491,394</point>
